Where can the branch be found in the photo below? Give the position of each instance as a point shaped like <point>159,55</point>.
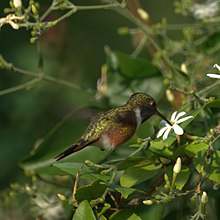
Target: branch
<point>9,66</point>
<point>26,85</point>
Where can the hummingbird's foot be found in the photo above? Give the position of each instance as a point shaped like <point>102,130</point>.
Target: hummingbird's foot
<point>111,168</point>
<point>99,166</point>
<point>147,139</point>
<point>106,168</point>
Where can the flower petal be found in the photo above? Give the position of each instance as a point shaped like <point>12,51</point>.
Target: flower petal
<point>173,116</point>
<point>161,131</point>
<point>183,119</point>
<point>180,115</point>
<point>165,136</point>
<point>177,129</point>
<point>216,66</point>
<point>212,75</point>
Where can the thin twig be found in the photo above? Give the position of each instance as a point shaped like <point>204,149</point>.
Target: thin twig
<point>26,85</point>
<point>47,12</point>
<point>209,88</point>
<point>76,183</point>
<point>47,78</point>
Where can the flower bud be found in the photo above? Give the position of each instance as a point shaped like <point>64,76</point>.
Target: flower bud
<point>204,198</point>
<point>33,40</point>
<point>212,131</point>
<point>211,99</point>
<point>169,95</point>
<point>62,197</point>
<point>184,68</point>
<point>17,3</point>
<point>148,202</point>
<point>143,14</point>
<point>33,9</point>
<point>123,31</point>
<point>177,166</point>
<point>14,186</point>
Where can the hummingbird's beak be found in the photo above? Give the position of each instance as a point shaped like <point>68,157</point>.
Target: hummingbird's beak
<point>163,117</point>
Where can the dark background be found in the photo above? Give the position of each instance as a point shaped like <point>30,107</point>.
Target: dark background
<point>73,51</point>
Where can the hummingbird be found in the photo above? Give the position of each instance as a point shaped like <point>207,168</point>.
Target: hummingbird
<point>110,129</point>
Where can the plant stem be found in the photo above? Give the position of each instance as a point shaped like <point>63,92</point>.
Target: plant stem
<point>47,12</point>
<point>133,153</point>
<point>209,88</point>
<point>26,85</point>
<point>47,78</point>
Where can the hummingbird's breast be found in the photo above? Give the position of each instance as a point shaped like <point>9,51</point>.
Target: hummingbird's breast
<point>121,128</point>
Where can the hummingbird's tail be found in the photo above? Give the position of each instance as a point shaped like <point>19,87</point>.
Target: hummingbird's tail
<point>74,148</point>
<point>70,150</point>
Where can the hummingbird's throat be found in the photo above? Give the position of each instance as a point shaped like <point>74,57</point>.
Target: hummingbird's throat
<point>138,117</point>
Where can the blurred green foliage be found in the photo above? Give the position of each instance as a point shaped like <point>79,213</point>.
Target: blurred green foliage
<point>57,71</point>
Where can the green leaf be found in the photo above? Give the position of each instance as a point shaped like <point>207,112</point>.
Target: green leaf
<point>213,170</point>
<point>124,214</point>
<point>85,172</point>
<point>102,218</point>
<point>195,147</point>
<point>160,148</point>
<point>215,174</point>
<point>132,161</point>
<point>125,191</point>
<point>136,175</point>
<point>182,177</point>
<point>155,212</point>
<point>69,167</point>
<point>214,104</point>
<point>136,68</point>
<point>90,192</point>
<point>84,212</point>
<point>147,85</point>
<point>134,217</point>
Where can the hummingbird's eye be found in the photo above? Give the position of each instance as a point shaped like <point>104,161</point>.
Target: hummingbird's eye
<point>153,103</point>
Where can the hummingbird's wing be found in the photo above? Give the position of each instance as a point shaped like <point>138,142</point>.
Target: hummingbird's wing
<point>97,125</point>
<point>88,138</point>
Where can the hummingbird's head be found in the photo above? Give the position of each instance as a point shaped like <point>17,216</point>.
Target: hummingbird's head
<point>145,104</point>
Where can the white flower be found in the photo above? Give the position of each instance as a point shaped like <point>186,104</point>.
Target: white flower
<point>177,166</point>
<point>17,3</point>
<point>11,19</point>
<point>212,75</point>
<point>207,10</point>
<point>175,120</point>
